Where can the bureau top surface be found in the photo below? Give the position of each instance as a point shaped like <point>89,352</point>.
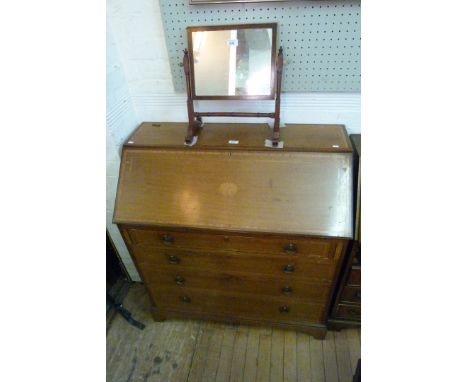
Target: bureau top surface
<point>243,136</point>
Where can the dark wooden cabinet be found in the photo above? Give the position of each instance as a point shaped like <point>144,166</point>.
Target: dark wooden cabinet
<point>238,232</point>
<point>346,308</point>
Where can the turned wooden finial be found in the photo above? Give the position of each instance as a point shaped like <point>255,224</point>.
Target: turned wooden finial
<point>186,63</point>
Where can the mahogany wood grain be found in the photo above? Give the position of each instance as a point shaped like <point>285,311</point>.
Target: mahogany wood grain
<point>288,193</point>
<point>281,286</point>
<point>279,77</point>
<point>241,305</point>
<point>232,114</point>
<point>348,312</point>
<point>347,293</point>
<point>354,277</point>
<point>190,113</point>
<point>289,246</point>
<point>251,264</point>
<point>325,138</point>
<point>250,136</point>
<point>238,233</point>
<point>351,294</point>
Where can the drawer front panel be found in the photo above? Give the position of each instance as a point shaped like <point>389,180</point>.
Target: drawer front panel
<point>180,279</point>
<point>349,312</point>
<point>318,249</point>
<point>243,263</point>
<point>249,306</point>
<point>354,277</point>
<point>351,294</point>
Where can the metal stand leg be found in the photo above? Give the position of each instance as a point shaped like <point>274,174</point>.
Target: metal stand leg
<point>125,313</point>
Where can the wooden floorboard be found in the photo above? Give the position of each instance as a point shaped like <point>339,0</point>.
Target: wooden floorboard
<point>277,355</point>
<point>353,337</point>
<point>238,359</point>
<point>264,358</point>
<point>289,366</point>
<point>200,351</point>
<point>329,358</point>
<point>343,359</point>
<point>226,355</point>
<point>303,357</point>
<point>317,365</point>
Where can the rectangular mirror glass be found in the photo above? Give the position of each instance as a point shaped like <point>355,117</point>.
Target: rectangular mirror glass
<point>232,61</point>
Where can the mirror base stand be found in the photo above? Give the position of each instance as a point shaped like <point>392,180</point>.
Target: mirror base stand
<point>194,129</point>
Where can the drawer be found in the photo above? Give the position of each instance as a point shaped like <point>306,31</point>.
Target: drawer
<point>354,277</point>
<point>180,279</point>
<point>351,294</point>
<point>235,305</point>
<point>348,312</point>
<point>356,259</point>
<point>281,245</point>
<point>237,263</point>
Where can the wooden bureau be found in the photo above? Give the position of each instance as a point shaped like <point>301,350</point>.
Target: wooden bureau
<point>230,230</point>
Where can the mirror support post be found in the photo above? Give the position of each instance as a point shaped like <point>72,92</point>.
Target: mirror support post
<point>193,124</point>
<point>279,73</point>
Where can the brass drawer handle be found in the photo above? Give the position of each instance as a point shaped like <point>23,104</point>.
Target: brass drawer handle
<point>286,290</point>
<point>174,259</point>
<point>290,248</point>
<point>284,309</point>
<point>186,299</point>
<point>167,239</point>
<point>179,280</point>
<point>289,268</point>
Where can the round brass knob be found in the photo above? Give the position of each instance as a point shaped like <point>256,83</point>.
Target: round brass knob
<point>290,248</point>
<point>289,268</point>
<point>174,259</point>
<point>286,290</point>
<point>179,280</point>
<point>167,239</point>
<point>186,299</point>
<point>284,309</point>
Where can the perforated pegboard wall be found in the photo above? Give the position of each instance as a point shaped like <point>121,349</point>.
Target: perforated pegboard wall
<point>321,40</point>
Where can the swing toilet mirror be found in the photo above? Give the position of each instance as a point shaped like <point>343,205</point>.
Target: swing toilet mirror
<point>232,61</point>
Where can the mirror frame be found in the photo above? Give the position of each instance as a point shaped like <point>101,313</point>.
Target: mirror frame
<point>273,26</point>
